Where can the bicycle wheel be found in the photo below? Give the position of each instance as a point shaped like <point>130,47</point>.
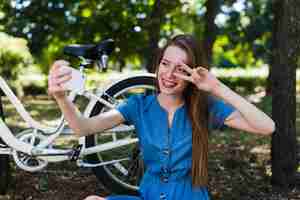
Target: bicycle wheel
<point>4,172</point>
<point>121,177</point>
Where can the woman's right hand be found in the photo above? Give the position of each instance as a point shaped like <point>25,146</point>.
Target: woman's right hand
<point>58,74</point>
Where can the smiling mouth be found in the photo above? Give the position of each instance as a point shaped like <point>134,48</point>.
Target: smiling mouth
<point>168,84</point>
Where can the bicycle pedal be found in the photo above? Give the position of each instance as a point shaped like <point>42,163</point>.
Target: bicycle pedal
<point>75,152</point>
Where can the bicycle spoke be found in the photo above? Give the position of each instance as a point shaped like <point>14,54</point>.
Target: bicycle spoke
<point>32,140</point>
<point>121,168</point>
<point>114,137</point>
<point>24,159</point>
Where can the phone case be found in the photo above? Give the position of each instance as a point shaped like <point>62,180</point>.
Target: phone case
<point>76,83</point>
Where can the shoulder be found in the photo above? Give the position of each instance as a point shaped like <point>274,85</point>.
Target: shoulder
<point>217,105</point>
<point>142,101</point>
<point>212,101</point>
<point>132,108</point>
<point>141,98</point>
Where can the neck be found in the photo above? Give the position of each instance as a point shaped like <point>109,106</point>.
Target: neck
<point>170,102</point>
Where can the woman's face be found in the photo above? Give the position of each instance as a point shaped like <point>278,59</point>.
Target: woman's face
<point>170,64</point>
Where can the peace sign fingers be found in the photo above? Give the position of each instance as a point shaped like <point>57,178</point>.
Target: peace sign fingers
<point>183,77</point>
<point>184,72</point>
<point>201,70</point>
<point>186,68</point>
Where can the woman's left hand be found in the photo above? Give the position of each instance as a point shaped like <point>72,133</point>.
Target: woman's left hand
<point>199,76</point>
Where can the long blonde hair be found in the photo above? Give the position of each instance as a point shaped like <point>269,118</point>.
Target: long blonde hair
<point>197,109</point>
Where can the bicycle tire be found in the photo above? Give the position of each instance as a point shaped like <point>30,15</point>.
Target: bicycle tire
<point>103,173</point>
<point>5,172</point>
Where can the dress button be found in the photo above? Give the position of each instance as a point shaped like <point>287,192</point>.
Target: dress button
<point>165,170</point>
<point>164,174</point>
<point>166,152</point>
<point>163,196</point>
<point>165,179</point>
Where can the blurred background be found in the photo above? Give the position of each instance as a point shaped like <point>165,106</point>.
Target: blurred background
<point>253,46</point>
<point>236,35</point>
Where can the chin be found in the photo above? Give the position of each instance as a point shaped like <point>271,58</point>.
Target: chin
<point>171,91</point>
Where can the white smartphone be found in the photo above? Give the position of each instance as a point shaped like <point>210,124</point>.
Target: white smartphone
<point>76,83</point>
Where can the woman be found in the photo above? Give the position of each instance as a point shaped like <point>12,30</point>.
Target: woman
<point>172,125</point>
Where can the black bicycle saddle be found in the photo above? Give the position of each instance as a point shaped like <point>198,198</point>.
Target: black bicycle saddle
<point>90,51</point>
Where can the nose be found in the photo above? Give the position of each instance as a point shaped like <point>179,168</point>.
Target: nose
<point>170,72</point>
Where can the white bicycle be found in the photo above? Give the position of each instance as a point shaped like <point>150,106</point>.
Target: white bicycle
<point>113,154</point>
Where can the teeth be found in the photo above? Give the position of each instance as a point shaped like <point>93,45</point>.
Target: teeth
<point>169,84</point>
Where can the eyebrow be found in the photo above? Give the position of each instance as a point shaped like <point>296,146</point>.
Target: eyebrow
<point>166,60</point>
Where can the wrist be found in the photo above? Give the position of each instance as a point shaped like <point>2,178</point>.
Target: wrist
<point>60,97</point>
<point>217,88</point>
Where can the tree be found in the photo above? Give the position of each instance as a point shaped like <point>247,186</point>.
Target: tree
<point>137,26</point>
<point>286,56</point>
<point>212,9</point>
<point>5,173</point>
<point>153,27</point>
<point>248,29</point>
<point>14,58</point>
<point>50,25</point>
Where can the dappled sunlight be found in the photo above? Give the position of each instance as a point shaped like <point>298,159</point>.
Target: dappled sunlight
<point>66,141</point>
<point>261,149</point>
<point>241,72</point>
<point>40,108</point>
<point>268,170</point>
<point>16,123</point>
<point>257,97</point>
<point>40,102</point>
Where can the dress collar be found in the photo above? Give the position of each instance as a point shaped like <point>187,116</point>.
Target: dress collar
<point>153,99</point>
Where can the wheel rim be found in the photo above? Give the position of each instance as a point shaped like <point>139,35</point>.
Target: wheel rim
<point>129,172</point>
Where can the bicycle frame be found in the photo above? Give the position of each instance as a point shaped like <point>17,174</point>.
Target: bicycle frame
<point>42,150</point>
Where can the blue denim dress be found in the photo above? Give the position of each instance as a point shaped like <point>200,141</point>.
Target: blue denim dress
<point>167,151</point>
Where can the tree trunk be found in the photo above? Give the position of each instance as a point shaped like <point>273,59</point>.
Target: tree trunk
<point>122,64</point>
<point>276,12</point>
<point>154,22</point>
<point>154,33</point>
<point>286,52</point>
<point>212,7</point>
<point>5,173</point>
<point>269,81</point>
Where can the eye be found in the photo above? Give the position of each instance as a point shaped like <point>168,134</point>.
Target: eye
<point>180,70</point>
<point>164,63</point>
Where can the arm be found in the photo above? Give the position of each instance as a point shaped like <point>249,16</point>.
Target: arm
<point>83,126</point>
<point>80,125</point>
<point>247,117</point>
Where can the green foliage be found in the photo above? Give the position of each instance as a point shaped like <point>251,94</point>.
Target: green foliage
<point>14,56</point>
<point>50,25</point>
<point>244,84</point>
<point>240,55</point>
<point>248,33</point>
<point>266,104</point>
<point>17,64</point>
<point>56,23</point>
